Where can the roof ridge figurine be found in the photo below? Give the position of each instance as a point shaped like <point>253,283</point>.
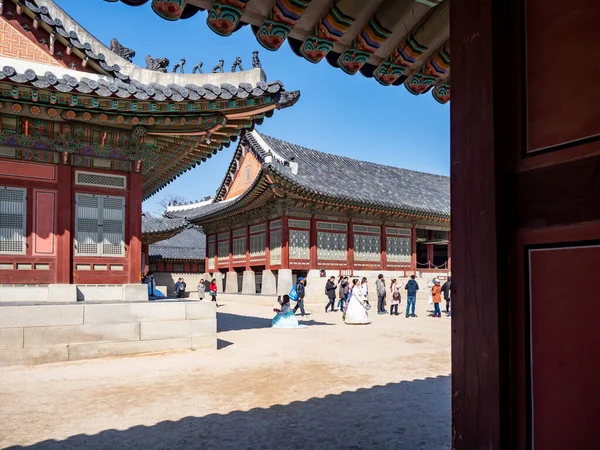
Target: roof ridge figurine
<point>157,64</point>
<point>237,64</point>
<point>179,66</point>
<point>219,67</point>
<point>120,50</point>
<point>255,61</point>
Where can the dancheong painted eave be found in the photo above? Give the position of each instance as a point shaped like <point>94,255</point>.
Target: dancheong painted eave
<point>394,41</point>
<point>87,100</point>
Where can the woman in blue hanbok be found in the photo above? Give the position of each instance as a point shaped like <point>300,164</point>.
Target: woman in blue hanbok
<point>285,317</point>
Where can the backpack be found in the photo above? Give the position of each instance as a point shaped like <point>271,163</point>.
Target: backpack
<point>293,294</point>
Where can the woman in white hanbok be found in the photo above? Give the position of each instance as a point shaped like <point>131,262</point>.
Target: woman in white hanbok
<point>356,311</point>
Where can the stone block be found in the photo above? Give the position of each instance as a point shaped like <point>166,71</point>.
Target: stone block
<point>107,349</point>
<point>72,334</point>
<point>178,329</point>
<point>218,276</point>
<point>23,294</point>
<point>284,281</point>
<point>200,310</point>
<point>204,342</point>
<point>62,293</point>
<point>249,282</point>
<point>135,292</point>
<point>134,312</point>
<point>11,338</point>
<point>315,287</point>
<point>91,292</point>
<point>32,356</point>
<point>40,315</point>
<point>269,283</point>
<point>231,283</point>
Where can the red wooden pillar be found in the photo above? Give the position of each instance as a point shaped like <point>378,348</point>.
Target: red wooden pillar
<point>430,250</point>
<point>64,224</point>
<point>413,249</point>
<point>383,248</point>
<point>268,246</point>
<point>285,243</point>
<point>134,210</point>
<point>351,246</point>
<point>449,251</point>
<point>230,260</point>
<point>313,243</point>
<point>248,247</point>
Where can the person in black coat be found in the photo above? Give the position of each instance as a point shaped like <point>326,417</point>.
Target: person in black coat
<point>446,289</point>
<point>330,289</point>
<point>300,290</point>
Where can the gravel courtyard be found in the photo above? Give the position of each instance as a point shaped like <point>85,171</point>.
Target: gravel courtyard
<point>381,386</point>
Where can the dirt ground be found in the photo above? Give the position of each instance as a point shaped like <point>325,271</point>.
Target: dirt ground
<point>380,386</point>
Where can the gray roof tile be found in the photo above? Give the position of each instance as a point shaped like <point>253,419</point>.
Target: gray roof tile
<point>189,245</point>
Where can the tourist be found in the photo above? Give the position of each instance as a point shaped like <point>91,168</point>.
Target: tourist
<point>364,285</point>
<point>380,286</point>
<point>396,297</point>
<point>201,289</point>
<point>300,290</point>
<point>356,311</point>
<point>180,288</point>
<point>343,292</point>
<point>436,296</point>
<point>330,289</point>
<point>149,280</point>
<point>446,288</point>
<point>411,296</point>
<point>213,290</point>
<point>285,317</point>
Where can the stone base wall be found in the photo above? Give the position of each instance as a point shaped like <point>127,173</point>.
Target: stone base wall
<point>65,293</point>
<point>37,334</point>
<point>168,279</point>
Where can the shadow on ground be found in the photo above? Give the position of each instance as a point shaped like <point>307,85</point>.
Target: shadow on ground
<point>406,415</point>
<point>237,322</point>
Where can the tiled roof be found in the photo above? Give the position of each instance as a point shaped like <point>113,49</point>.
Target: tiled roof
<point>351,180</point>
<point>343,180</point>
<point>126,87</point>
<point>152,225</point>
<point>189,245</point>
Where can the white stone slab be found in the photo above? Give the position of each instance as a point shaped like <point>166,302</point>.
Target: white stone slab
<point>284,281</point>
<point>71,334</point>
<point>135,292</point>
<point>23,294</point>
<point>177,329</point>
<point>231,283</point>
<point>11,338</point>
<point>204,309</point>
<point>269,283</point>
<point>249,282</point>
<point>40,315</point>
<point>62,293</point>
<point>90,292</point>
<point>32,356</point>
<point>102,350</point>
<point>134,312</point>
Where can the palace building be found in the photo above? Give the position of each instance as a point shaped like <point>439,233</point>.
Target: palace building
<point>86,135</point>
<point>284,211</point>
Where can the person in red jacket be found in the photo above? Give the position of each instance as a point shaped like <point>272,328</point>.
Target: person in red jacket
<point>213,290</point>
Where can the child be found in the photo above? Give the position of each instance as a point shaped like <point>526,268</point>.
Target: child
<point>396,297</point>
<point>201,289</point>
<point>213,290</point>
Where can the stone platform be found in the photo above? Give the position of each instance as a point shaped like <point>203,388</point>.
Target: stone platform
<point>37,333</point>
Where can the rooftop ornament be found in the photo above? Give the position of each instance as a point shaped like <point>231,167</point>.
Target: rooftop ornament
<point>255,61</point>
<point>219,67</point>
<point>179,66</point>
<point>157,64</point>
<point>237,64</point>
<point>123,52</point>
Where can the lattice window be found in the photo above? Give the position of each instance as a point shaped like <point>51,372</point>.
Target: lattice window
<point>178,267</point>
<point>100,180</point>
<point>366,229</point>
<point>258,242</point>
<point>258,228</point>
<point>224,236</point>
<point>223,250</point>
<point>398,249</point>
<point>13,220</point>
<point>443,235</point>
<point>275,224</point>
<point>211,254</point>
<point>239,248</point>
<point>367,247</point>
<point>212,239</point>
<point>275,241</point>
<point>332,246</point>
<point>294,223</point>
<point>332,226</point>
<point>299,244</point>
<point>398,231</point>
<point>240,232</point>
<point>99,225</point>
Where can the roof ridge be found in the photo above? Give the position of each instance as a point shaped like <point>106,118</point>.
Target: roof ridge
<point>354,159</point>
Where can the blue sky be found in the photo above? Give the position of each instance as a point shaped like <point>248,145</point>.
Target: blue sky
<point>337,113</point>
